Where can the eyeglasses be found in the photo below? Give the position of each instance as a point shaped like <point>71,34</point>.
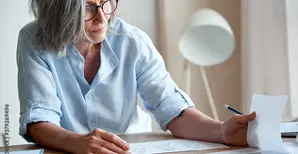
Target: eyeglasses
<point>108,7</point>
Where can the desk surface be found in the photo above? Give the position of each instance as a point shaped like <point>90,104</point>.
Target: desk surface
<point>134,138</point>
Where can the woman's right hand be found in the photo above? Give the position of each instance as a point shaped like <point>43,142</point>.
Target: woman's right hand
<point>101,142</point>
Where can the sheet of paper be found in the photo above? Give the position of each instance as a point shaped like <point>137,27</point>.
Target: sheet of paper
<point>238,151</point>
<point>249,151</point>
<point>38,151</point>
<point>172,146</point>
<point>292,148</point>
<point>264,132</point>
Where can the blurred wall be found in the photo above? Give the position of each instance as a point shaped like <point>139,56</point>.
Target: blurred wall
<point>141,14</point>
<point>13,18</point>
<point>269,51</point>
<point>225,79</point>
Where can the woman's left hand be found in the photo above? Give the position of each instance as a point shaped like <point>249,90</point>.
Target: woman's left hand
<point>234,131</point>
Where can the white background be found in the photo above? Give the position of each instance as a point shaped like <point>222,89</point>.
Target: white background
<point>14,15</point>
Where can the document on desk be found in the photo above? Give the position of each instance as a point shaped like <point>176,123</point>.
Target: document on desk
<point>38,151</point>
<point>178,145</point>
<point>264,132</point>
<point>238,151</point>
<point>292,148</point>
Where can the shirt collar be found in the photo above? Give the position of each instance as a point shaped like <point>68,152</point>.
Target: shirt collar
<point>109,61</point>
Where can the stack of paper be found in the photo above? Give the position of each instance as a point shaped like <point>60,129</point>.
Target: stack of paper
<point>291,147</point>
<point>289,129</point>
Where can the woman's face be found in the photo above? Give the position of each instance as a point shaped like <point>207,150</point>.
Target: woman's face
<point>96,21</point>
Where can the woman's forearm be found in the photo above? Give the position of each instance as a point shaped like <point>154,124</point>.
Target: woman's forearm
<point>51,136</point>
<point>193,124</point>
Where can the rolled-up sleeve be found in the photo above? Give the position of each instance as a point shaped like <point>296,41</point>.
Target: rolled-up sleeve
<point>36,87</point>
<point>161,96</point>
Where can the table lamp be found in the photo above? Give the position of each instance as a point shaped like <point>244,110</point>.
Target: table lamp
<point>207,40</point>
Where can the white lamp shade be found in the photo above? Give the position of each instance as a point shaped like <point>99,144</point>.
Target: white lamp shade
<point>207,39</point>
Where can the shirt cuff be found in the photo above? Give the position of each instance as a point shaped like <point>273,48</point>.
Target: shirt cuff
<point>171,107</point>
<point>36,115</point>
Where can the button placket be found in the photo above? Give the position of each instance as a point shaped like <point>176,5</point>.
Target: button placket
<point>93,118</point>
<point>90,113</point>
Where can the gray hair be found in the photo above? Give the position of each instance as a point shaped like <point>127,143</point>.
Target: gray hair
<point>59,22</point>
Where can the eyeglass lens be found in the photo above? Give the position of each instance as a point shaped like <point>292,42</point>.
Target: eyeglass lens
<point>108,7</point>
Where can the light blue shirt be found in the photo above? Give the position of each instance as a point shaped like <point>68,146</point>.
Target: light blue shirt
<point>53,88</point>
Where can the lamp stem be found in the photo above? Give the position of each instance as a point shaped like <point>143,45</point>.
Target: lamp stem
<point>209,93</point>
<point>188,78</point>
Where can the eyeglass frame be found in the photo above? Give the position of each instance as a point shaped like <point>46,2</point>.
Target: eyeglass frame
<point>101,6</point>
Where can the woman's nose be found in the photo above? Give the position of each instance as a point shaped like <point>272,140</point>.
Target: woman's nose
<point>100,16</point>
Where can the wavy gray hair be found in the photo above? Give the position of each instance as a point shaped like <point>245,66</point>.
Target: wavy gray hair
<point>59,22</point>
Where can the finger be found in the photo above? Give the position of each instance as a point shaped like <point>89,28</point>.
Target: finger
<point>244,119</point>
<point>95,148</point>
<point>116,140</point>
<point>112,147</point>
<point>102,150</point>
<point>252,116</point>
<point>113,138</point>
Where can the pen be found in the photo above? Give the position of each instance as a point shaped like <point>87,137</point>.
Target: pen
<point>232,109</point>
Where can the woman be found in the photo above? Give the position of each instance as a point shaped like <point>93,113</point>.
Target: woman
<point>79,73</point>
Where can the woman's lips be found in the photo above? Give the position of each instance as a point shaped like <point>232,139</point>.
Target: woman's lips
<point>98,30</point>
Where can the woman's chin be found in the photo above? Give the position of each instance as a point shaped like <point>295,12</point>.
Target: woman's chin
<point>98,38</point>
